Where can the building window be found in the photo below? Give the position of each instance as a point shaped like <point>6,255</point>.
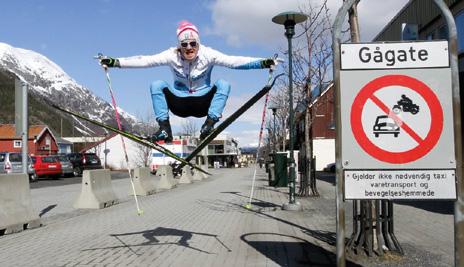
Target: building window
<point>460,28</point>
<point>17,144</point>
<point>443,33</point>
<point>429,37</point>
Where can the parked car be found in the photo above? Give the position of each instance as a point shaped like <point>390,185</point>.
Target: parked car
<point>66,165</point>
<point>11,162</point>
<point>330,167</point>
<point>84,161</point>
<point>47,166</point>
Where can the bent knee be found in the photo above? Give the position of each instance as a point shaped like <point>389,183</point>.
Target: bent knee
<point>157,87</point>
<point>223,87</point>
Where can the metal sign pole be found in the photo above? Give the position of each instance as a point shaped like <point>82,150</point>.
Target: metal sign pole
<point>21,123</point>
<point>336,39</point>
<point>459,204</point>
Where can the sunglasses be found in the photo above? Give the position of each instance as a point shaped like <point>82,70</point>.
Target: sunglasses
<point>186,44</point>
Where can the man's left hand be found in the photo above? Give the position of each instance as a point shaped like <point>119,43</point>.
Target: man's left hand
<point>268,63</point>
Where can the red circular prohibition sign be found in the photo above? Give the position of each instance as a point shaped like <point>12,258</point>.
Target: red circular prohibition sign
<point>424,147</point>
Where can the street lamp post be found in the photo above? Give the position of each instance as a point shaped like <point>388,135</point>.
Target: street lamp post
<point>289,20</point>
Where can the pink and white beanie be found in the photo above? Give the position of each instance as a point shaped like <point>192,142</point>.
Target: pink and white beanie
<point>187,31</point>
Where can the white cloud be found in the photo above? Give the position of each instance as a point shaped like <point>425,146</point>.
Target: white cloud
<point>247,138</point>
<point>243,22</point>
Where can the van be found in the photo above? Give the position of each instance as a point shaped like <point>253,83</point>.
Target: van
<point>11,162</point>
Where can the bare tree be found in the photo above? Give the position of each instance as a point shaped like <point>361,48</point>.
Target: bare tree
<point>279,99</point>
<point>312,56</point>
<point>146,127</point>
<point>189,127</point>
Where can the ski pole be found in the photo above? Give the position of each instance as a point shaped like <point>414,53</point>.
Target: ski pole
<point>263,117</point>
<point>113,100</point>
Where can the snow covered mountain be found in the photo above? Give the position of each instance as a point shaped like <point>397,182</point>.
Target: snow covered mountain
<point>48,81</point>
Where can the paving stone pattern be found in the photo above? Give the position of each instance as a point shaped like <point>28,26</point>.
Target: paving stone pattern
<point>205,224</point>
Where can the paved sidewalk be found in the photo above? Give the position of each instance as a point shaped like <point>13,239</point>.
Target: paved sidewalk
<point>205,224</point>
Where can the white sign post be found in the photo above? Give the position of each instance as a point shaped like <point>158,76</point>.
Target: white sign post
<point>397,120</point>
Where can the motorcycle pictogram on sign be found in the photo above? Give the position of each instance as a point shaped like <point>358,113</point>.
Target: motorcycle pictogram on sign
<point>384,124</point>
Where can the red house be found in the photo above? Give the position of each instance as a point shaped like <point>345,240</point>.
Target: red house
<point>41,140</point>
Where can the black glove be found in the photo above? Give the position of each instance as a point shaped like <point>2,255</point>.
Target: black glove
<point>267,63</point>
<point>110,62</point>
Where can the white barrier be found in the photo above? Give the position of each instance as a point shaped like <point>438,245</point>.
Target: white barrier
<point>166,181</point>
<point>16,212</point>
<point>144,183</point>
<point>205,167</point>
<point>186,177</point>
<point>97,190</point>
<point>197,175</point>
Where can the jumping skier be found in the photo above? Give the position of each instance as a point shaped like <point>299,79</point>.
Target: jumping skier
<point>192,93</point>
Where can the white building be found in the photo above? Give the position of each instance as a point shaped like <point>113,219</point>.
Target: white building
<point>138,155</point>
<point>223,151</point>
<point>182,146</point>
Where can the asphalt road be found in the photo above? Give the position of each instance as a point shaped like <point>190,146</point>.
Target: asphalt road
<point>47,182</point>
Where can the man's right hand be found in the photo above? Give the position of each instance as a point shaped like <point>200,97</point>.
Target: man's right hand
<point>109,62</point>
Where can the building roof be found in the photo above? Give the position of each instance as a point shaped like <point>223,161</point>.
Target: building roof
<point>63,141</point>
<point>8,131</point>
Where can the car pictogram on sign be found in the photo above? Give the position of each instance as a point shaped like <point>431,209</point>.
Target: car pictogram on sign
<point>386,125</point>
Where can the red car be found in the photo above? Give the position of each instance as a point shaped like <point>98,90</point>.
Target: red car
<point>47,165</point>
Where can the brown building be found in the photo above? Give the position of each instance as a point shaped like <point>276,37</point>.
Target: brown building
<point>41,140</point>
<point>321,110</point>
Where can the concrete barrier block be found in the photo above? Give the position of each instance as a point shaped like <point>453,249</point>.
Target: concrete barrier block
<point>205,167</point>
<point>144,183</point>
<point>166,178</point>
<point>16,213</point>
<point>97,191</point>
<point>197,175</point>
<point>186,177</point>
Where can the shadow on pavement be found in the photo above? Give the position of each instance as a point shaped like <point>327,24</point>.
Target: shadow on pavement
<point>150,236</point>
<point>325,236</point>
<point>257,202</point>
<point>47,209</point>
<point>328,177</point>
<point>293,251</point>
<point>437,206</point>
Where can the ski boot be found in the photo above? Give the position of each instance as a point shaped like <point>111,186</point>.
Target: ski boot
<point>207,127</point>
<point>163,134</point>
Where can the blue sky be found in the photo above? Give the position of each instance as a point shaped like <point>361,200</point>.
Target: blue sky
<point>70,33</point>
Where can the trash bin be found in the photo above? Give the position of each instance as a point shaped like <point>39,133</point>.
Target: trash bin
<point>280,170</point>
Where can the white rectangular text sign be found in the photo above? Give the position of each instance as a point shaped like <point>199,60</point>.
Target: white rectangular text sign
<point>400,55</point>
<point>400,184</point>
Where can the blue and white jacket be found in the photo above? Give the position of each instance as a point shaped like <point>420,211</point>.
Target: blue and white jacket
<point>195,75</point>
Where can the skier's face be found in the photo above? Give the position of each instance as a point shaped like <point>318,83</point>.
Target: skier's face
<point>189,49</point>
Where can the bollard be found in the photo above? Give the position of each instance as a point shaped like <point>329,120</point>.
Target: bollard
<point>144,183</point>
<point>166,180</point>
<point>186,177</point>
<point>97,190</point>
<point>16,212</point>
<point>197,175</point>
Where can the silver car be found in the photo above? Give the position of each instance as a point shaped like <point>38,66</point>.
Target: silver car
<point>11,162</point>
<point>66,166</point>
